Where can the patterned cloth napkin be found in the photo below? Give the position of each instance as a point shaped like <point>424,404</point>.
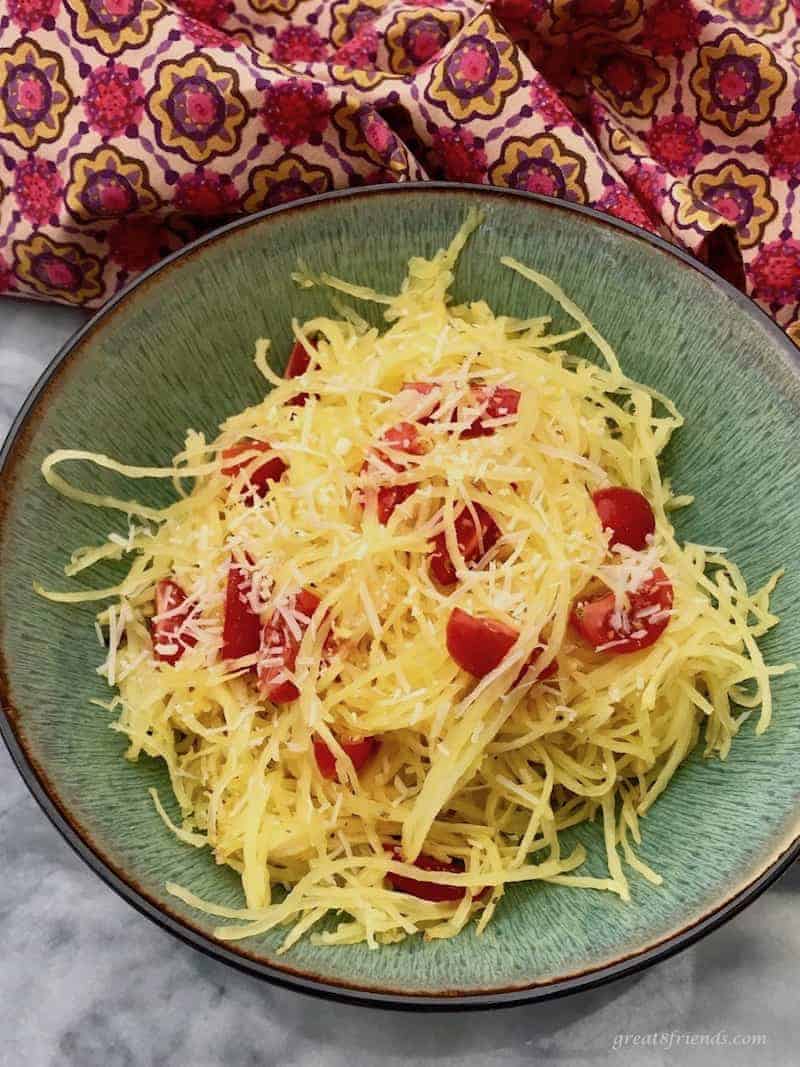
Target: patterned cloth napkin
<point>128,127</point>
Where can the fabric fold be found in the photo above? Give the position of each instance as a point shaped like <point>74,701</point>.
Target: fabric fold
<point>128,127</point>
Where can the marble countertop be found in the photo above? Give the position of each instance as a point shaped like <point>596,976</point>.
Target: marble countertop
<point>85,981</point>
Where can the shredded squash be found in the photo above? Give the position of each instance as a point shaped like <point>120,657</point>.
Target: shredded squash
<point>481,775</point>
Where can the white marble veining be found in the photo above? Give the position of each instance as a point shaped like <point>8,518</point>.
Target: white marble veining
<point>85,981</point>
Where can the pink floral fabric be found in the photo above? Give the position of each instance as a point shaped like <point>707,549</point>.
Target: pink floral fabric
<point>128,127</point>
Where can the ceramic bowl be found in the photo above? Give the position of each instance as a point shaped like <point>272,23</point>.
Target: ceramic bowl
<point>175,350</point>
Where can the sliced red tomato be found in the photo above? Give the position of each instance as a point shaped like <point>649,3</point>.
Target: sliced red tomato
<point>391,497</point>
<point>646,618</point>
<point>427,890</point>
<point>627,514</point>
<point>479,644</point>
<point>169,640</point>
<point>548,672</point>
<point>259,479</point>
<point>241,628</point>
<point>499,401</point>
<point>543,675</point>
<point>424,389</point>
<point>299,362</point>
<point>359,749</point>
<point>473,542</point>
<point>279,647</point>
<point>404,437</point>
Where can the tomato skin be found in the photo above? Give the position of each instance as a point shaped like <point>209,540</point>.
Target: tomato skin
<point>500,402</point>
<point>469,538</point>
<point>427,890</point>
<point>359,749</point>
<point>169,596</point>
<point>241,628</point>
<point>299,362</point>
<point>278,642</point>
<point>593,618</point>
<point>259,479</point>
<point>404,437</point>
<point>627,514</point>
<point>477,644</point>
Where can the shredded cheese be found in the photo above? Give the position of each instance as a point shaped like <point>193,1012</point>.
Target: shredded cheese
<point>486,773</point>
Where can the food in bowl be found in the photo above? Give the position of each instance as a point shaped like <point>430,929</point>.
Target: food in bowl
<point>415,613</point>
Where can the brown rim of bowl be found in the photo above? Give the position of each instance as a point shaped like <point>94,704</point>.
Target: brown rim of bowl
<point>79,838</point>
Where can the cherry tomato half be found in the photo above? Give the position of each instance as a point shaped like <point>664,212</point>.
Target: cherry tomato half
<point>169,641</point>
<point>391,497</point>
<point>499,401</point>
<point>259,479</point>
<point>646,618</point>
<point>627,514</point>
<point>299,362</point>
<point>473,542</point>
<point>279,647</point>
<point>359,749</point>
<point>404,437</point>
<point>542,676</point>
<point>427,412</point>
<point>427,890</point>
<point>478,645</point>
<point>241,628</point>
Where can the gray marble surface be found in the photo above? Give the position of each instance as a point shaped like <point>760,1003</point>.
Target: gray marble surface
<point>85,980</point>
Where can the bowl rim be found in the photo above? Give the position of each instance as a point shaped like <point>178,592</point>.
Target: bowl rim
<point>80,840</point>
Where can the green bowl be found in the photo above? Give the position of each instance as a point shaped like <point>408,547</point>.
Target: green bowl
<point>175,350</point>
